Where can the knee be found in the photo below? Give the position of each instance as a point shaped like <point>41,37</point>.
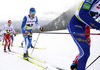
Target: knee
<point>87,54</point>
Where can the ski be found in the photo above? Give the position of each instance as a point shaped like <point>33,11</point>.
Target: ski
<point>37,59</point>
<point>58,67</point>
<point>40,48</point>
<point>34,59</point>
<point>43,67</point>
<point>34,48</point>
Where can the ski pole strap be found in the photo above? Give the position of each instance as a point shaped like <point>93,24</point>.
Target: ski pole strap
<point>92,62</point>
<point>72,33</point>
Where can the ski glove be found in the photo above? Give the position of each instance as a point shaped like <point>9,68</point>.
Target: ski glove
<point>7,31</point>
<point>14,34</point>
<point>41,29</point>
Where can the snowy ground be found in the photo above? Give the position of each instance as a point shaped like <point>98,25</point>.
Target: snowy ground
<point>60,51</point>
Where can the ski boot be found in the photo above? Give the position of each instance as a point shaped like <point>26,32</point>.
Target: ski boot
<point>5,50</point>
<point>22,45</point>
<point>32,46</point>
<point>25,56</point>
<point>9,49</point>
<point>73,66</point>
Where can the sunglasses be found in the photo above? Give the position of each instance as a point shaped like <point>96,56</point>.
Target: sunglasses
<point>9,23</point>
<point>32,12</point>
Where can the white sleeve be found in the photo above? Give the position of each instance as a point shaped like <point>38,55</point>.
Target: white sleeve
<point>13,29</point>
<point>37,25</point>
<point>2,32</point>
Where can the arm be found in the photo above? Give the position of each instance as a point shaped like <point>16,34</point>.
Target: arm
<point>23,24</point>
<point>37,24</point>
<point>85,16</point>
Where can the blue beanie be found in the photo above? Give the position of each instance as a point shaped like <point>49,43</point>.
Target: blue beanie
<point>32,10</point>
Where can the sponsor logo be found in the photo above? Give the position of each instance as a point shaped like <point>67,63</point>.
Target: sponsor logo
<point>30,21</point>
<point>82,40</point>
<point>98,7</point>
<point>86,6</point>
<point>89,1</point>
<point>93,25</point>
<point>78,26</point>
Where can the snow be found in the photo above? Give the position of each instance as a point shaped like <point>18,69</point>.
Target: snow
<point>60,51</point>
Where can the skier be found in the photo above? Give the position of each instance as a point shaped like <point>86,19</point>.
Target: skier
<point>27,23</point>
<point>6,32</point>
<point>11,35</point>
<point>80,23</point>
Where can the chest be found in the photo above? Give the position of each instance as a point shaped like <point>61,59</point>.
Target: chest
<point>96,7</point>
<point>8,28</point>
<point>30,22</point>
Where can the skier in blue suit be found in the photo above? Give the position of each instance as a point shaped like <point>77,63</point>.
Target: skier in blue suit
<point>27,23</point>
<point>78,24</point>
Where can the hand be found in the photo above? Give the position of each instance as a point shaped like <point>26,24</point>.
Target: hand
<point>14,34</point>
<point>28,33</point>
<point>41,29</point>
<point>7,31</point>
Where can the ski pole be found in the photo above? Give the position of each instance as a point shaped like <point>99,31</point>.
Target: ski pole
<point>72,33</point>
<point>92,62</point>
<point>35,43</point>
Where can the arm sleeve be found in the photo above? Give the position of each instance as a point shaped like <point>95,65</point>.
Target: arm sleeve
<point>23,23</point>
<point>36,23</point>
<point>4,28</point>
<point>85,16</point>
<point>13,30</point>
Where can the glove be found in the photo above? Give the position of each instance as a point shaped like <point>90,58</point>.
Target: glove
<point>41,29</point>
<point>28,33</point>
<point>7,31</point>
<point>14,34</point>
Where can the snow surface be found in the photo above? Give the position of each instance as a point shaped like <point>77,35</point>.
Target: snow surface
<point>60,51</point>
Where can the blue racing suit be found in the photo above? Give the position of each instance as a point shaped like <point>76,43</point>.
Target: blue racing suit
<point>27,24</point>
<point>77,24</point>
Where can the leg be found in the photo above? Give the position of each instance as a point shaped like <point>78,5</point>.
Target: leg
<point>76,26</point>
<point>9,40</point>
<point>12,40</point>
<point>5,43</point>
<point>26,45</point>
<point>30,41</point>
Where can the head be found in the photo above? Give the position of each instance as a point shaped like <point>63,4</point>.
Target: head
<point>9,22</point>
<point>32,12</point>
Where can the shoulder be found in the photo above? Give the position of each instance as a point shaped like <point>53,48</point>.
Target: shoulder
<point>25,18</point>
<point>11,25</point>
<point>36,17</point>
<point>5,25</point>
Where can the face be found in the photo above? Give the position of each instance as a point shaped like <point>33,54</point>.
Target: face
<point>32,14</point>
<point>9,24</point>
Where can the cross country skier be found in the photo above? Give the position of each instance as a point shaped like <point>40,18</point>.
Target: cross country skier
<point>78,24</point>
<point>28,22</point>
<point>95,16</point>
<point>6,32</point>
<point>12,32</point>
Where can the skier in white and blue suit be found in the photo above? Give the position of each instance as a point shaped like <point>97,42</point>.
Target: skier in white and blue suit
<point>27,23</point>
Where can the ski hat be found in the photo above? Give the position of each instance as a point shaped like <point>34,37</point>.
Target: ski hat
<point>9,21</point>
<point>32,10</point>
